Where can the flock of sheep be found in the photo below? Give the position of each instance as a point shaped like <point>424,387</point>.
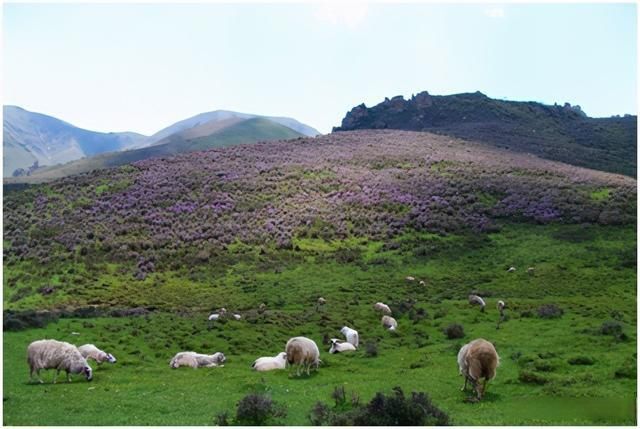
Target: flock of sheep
<point>477,360</point>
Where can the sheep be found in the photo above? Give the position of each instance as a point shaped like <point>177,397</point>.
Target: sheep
<point>302,352</point>
<point>511,269</point>
<point>58,355</point>
<point>351,335</point>
<point>531,271</point>
<point>214,316</point>
<point>476,300</point>
<point>338,346</point>
<point>478,359</point>
<point>410,279</point>
<point>262,307</point>
<point>89,351</point>
<point>269,363</point>
<point>197,360</point>
<point>389,323</point>
<point>381,307</point>
<point>422,283</point>
<point>500,305</point>
<point>237,316</point>
<point>320,303</point>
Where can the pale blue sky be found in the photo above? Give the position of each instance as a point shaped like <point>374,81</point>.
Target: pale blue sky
<point>142,67</point>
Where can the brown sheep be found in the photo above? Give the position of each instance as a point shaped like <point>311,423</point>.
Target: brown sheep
<point>478,360</point>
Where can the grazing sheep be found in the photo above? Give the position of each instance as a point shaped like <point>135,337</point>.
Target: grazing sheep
<point>500,305</point>
<point>422,283</point>
<point>89,351</point>
<point>262,307</point>
<point>302,352</point>
<point>322,301</point>
<point>410,279</point>
<point>58,355</point>
<point>338,346</point>
<point>197,360</point>
<point>237,316</point>
<point>351,335</point>
<point>476,300</point>
<point>531,271</point>
<point>269,363</point>
<point>381,307</point>
<point>478,360</point>
<point>214,316</point>
<point>511,269</point>
<point>389,323</point>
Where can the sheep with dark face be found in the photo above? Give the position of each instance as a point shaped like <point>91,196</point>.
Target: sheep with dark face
<point>89,351</point>
<point>197,360</point>
<point>478,360</point>
<point>389,323</point>
<point>476,300</point>
<point>338,346</point>
<point>58,355</point>
<point>304,353</point>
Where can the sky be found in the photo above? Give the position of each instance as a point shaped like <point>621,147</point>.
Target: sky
<point>141,67</point>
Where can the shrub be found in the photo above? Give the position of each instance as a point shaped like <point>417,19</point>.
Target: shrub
<point>532,377</point>
<point>256,410</point>
<point>581,360</point>
<point>371,349</point>
<point>549,311</point>
<point>454,331</point>
<point>383,410</point>
<point>611,327</point>
<point>17,321</point>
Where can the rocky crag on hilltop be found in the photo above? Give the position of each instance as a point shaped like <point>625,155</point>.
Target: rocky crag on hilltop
<point>559,132</point>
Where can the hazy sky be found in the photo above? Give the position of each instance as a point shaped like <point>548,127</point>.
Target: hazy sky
<point>141,67</point>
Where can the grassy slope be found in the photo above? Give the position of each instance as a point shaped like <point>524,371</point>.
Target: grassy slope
<point>249,131</point>
<point>589,272</point>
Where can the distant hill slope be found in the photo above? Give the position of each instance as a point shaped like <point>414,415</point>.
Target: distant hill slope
<point>235,131</point>
<point>29,137</point>
<point>225,115</point>
<point>561,133</point>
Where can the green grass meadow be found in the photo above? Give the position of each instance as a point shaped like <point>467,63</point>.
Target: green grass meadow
<point>560,371</point>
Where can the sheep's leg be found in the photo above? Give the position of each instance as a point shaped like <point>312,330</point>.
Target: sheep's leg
<point>465,385</point>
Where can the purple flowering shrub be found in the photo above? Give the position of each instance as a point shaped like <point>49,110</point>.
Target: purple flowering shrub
<point>375,184</point>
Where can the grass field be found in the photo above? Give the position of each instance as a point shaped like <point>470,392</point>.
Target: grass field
<point>589,272</point>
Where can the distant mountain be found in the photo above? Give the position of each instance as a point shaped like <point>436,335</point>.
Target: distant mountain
<point>30,137</point>
<point>213,134</point>
<point>225,115</point>
<point>561,133</point>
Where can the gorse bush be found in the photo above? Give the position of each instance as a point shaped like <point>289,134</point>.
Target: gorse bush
<point>258,410</point>
<point>383,410</point>
<point>454,331</point>
<point>549,311</point>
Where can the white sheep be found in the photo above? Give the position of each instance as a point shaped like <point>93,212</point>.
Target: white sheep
<point>531,271</point>
<point>197,360</point>
<point>381,307</point>
<point>237,316</point>
<point>338,346</point>
<point>478,360</point>
<point>389,323</point>
<point>270,363</point>
<point>302,352</point>
<point>511,269</point>
<point>89,351</point>
<point>322,301</point>
<point>500,305</point>
<point>351,335</point>
<point>422,283</point>
<point>58,355</point>
<point>214,316</point>
<point>476,300</point>
<point>410,278</point>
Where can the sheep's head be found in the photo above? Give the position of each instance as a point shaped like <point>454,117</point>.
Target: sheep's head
<point>282,356</point>
<point>111,358</point>
<point>88,372</point>
<point>219,357</point>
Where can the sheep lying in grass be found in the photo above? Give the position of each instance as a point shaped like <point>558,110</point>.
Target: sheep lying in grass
<point>478,360</point>
<point>89,351</point>
<point>338,346</point>
<point>476,300</point>
<point>302,352</point>
<point>58,355</point>
<point>381,307</point>
<point>197,360</point>
<point>270,363</point>
<point>410,278</point>
<point>351,335</point>
<point>389,323</point>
